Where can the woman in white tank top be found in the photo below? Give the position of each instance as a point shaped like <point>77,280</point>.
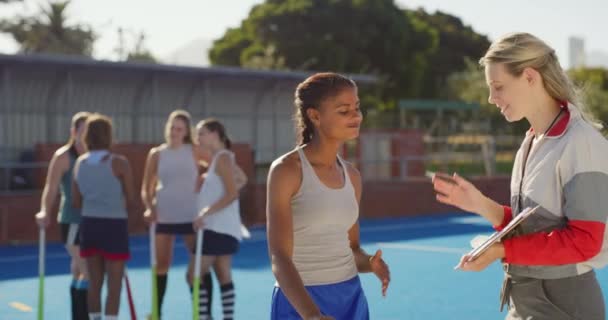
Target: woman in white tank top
<point>312,211</point>
<point>219,215</point>
<point>169,190</point>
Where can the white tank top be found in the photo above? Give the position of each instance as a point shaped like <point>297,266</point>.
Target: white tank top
<point>175,193</point>
<point>228,219</point>
<point>322,217</point>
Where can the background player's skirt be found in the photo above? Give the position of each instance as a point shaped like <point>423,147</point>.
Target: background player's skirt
<point>343,301</point>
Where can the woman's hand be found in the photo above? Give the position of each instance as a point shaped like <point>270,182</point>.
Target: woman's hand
<point>458,192</point>
<point>150,215</point>
<point>380,269</point>
<point>199,221</point>
<point>496,251</point>
<point>42,219</point>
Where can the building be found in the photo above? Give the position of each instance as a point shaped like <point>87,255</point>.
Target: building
<point>576,51</point>
<point>40,93</point>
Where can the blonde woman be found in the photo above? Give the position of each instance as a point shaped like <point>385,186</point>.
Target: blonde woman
<point>169,191</point>
<point>561,165</point>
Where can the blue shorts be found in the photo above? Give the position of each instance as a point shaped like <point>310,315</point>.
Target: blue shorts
<point>343,301</point>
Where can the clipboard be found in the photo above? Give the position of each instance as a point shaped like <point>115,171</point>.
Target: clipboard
<point>498,235</point>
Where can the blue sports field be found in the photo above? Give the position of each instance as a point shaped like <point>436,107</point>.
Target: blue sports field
<point>421,253</point>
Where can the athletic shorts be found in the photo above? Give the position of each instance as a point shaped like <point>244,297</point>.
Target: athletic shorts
<point>218,244</point>
<point>104,236</point>
<point>175,228</point>
<point>343,301</point>
<point>70,233</point>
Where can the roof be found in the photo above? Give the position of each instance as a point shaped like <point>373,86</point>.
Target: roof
<point>84,62</point>
<point>436,105</point>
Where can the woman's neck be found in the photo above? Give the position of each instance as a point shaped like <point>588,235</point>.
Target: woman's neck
<point>215,149</point>
<point>175,145</point>
<point>80,148</point>
<point>323,153</point>
<point>544,116</point>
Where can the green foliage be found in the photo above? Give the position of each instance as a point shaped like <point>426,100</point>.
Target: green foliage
<point>48,32</point>
<point>469,85</point>
<point>456,43</point>
<point>350,36</point>
<point>138,53</point>
<point>411,52</point>
<point>594,90</point>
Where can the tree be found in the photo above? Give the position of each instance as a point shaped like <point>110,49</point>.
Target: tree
<point>469,85</point>
<point>227,50</point>
<point>48,32</point>
<point>139,52</point>
<point>145,56</point>
<point>263,58</point>
<point>590,76</point>
<point>594,90</point>
<point>350,36</point>
<point>457,43</point>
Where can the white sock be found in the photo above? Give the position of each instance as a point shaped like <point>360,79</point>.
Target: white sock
<point>95,316</point>
<point>108,317</point>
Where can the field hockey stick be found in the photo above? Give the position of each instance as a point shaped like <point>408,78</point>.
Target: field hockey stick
<point>41,263</point>
<point>130,297</point>
<point>153,265</point>
<point>197,274</point>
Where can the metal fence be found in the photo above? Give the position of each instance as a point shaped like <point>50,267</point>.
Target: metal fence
<point>472,157</point>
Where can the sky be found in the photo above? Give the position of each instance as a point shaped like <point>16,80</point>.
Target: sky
<point>176,25</point>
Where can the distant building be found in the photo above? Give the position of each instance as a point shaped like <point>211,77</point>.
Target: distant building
<point>576,48</point>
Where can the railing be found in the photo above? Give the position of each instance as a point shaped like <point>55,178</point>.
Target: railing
<point>25,177</point>
<point>404,168</point>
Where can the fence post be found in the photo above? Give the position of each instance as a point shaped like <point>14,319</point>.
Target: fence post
<point>488,150</point>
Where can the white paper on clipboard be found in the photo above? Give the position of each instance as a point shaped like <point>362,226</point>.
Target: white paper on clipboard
<point>497,236</point>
